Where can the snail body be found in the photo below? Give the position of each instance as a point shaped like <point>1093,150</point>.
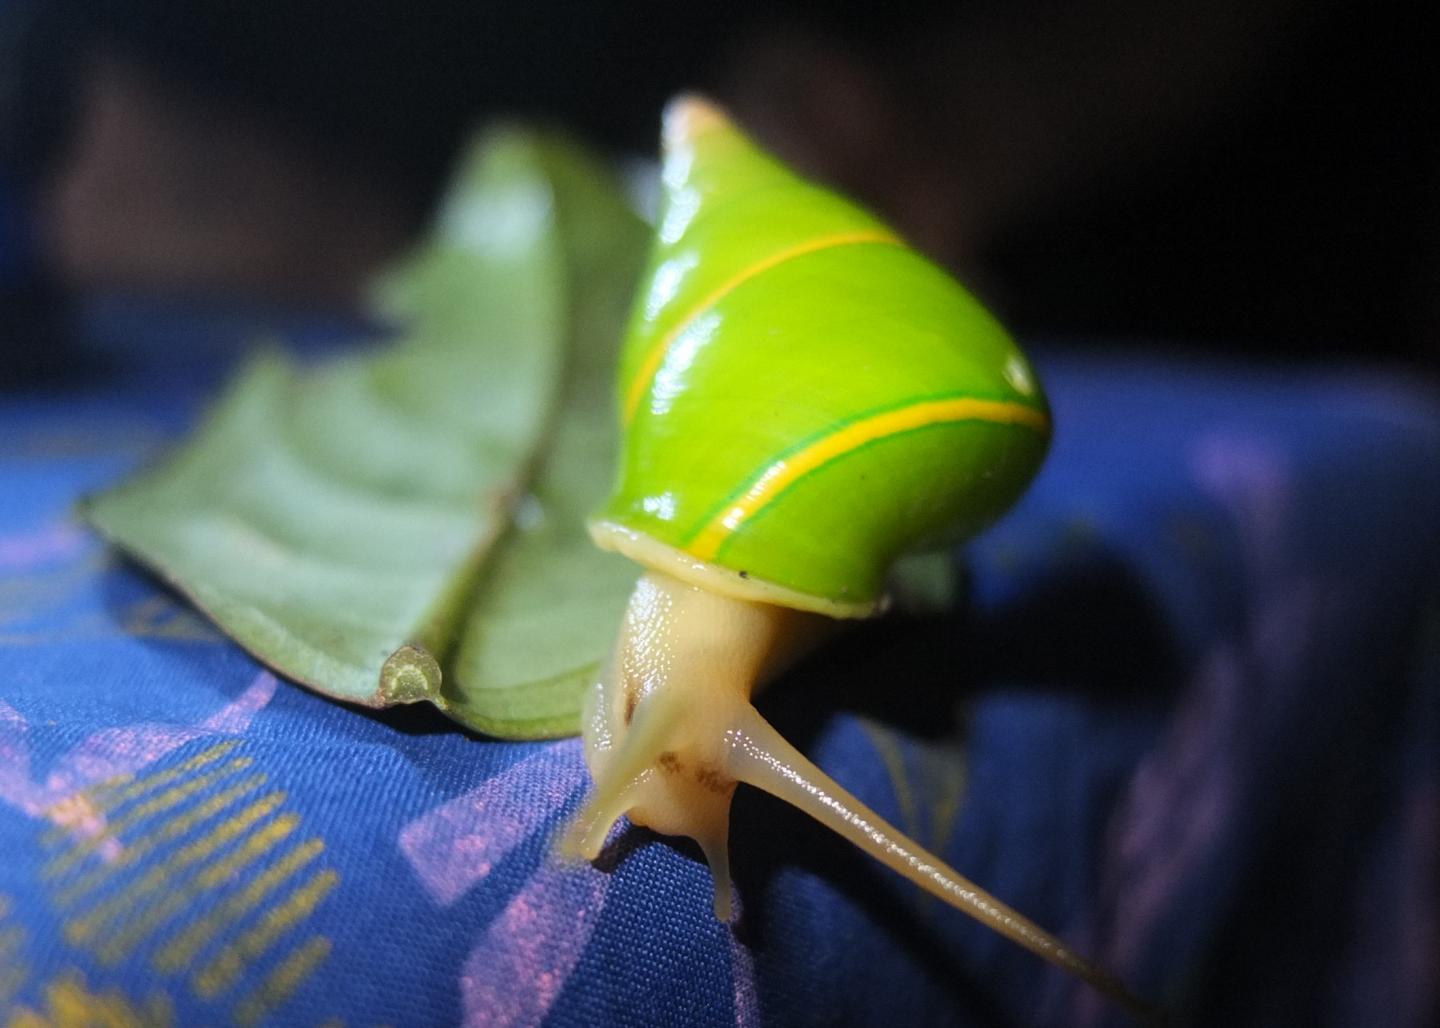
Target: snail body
<point>803,399</point>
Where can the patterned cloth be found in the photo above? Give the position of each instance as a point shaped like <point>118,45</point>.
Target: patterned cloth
<point>1197,676</point>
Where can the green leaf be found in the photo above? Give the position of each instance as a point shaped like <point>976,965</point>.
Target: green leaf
<point>408,524</point>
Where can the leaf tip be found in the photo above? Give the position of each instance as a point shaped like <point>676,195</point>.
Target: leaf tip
<point>409,675</point>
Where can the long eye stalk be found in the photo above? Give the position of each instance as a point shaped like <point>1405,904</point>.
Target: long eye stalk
<point>760,756</point>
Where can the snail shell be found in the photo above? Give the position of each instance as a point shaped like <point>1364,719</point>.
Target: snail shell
<point>803,397</point>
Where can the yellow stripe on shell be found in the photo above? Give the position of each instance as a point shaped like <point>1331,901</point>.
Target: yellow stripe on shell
<point>780,475</point>
<point>656,356</point>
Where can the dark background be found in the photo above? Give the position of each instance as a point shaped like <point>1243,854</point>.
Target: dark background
<point>1258,177</point>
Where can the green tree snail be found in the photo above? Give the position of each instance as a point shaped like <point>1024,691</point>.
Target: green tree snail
<point>803,398</point>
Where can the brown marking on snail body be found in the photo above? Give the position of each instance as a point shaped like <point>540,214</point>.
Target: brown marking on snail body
<point>669,762</point>
<point>715,781</point>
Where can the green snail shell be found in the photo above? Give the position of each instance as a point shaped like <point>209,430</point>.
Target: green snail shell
<point>803,397</point>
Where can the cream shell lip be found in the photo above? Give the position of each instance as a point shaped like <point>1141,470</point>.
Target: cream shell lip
<point>740,585</point>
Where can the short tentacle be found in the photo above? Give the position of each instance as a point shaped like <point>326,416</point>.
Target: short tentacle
<point>633,760</point>
<point>715,844</point>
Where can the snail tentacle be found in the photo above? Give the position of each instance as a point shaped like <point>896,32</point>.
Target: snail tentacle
<point>623,776</point>
<point>758,755</point>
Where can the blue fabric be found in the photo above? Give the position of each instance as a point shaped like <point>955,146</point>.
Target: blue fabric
<point>1198,676</point>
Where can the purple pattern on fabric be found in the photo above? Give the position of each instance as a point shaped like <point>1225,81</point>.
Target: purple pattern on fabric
<point>453,847</point>
<point>106,754</point>
<point>517,969</point>
<point>1417,981</point>
<point>1183,796</point>
<point>742,979</point>
<point>515,973</point>
<point>57,542</point>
